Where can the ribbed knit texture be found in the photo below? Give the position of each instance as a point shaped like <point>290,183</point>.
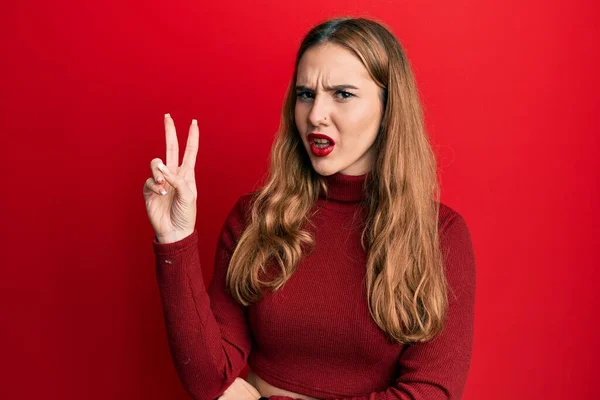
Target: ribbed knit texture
<point>315,336</point>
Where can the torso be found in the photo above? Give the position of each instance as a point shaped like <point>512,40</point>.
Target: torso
<point>266,389</point>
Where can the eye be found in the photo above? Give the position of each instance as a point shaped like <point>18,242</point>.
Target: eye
<point>346,95</point>
<point>302,95</point>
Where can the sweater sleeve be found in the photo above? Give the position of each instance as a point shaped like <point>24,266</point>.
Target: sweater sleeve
<point>437,370</point>
<point>207,333</point>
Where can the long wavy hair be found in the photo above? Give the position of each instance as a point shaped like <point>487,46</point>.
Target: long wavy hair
<point>405,281</point>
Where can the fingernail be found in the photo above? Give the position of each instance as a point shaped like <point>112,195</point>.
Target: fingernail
<point>159,180</point>
<point>163,192</point>
<point>167,115</point>
<point>194,122</point>
<point>162,167</point>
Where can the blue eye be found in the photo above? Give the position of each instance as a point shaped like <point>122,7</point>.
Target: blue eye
<point>309,95</point>
<point>300,95</point>
<point>345,93</point>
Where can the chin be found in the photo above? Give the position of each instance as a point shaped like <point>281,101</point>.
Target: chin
<point>324,171</point>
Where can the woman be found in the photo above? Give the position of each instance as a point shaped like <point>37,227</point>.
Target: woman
<point>343,276</point>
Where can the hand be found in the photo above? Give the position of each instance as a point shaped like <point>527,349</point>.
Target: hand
<point>240,390</point>
<point>173,215</point>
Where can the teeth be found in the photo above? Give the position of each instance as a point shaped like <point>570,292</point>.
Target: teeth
<point>322,141</point>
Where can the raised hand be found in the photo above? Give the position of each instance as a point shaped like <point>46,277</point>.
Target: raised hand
<point>170,193</point>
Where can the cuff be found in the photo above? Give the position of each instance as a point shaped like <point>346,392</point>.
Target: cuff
<point>164,249</point>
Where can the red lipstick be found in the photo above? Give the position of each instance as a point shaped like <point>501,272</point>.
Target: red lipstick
<point>318,149</point>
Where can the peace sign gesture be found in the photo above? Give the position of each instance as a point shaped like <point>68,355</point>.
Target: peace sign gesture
<point>170,193</point>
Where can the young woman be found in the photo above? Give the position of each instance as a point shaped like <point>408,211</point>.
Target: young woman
<point>343,276</point>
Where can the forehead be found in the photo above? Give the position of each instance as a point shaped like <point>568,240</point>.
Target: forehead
<point>330,63</point>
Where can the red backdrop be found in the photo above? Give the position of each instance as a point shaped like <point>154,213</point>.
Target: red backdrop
<point>509,88</point>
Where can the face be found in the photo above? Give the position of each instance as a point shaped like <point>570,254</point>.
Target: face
<point>335,96</point>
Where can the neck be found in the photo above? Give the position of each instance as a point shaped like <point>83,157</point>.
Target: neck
<point>345,188</point>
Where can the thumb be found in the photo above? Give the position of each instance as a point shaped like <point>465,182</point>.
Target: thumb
<point>170,177</point>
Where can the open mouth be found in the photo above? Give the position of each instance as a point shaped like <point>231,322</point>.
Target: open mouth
<point>321,143</point>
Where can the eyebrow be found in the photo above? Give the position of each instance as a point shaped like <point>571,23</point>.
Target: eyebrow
<point>328,88</point>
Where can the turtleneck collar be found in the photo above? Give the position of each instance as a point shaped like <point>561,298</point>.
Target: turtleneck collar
<point>345,188</point>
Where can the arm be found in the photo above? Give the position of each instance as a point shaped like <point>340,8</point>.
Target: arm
<point>437,370</point>
<point>206,330</point>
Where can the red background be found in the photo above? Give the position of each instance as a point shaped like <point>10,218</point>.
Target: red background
<point>510,95</point>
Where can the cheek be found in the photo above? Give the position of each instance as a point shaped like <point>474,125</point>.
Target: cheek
<point>361,117</point>
<point>359,126</point>
<point>300,117</point>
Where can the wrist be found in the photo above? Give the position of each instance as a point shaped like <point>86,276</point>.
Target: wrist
<point>173,237</point>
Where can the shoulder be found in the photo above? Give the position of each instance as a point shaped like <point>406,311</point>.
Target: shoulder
<point>238,216</point>
<point>451,222</point>
<point>242,206</point>
<point>457,247</point>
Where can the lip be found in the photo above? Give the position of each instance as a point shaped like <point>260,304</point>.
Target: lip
<point>320,151</point>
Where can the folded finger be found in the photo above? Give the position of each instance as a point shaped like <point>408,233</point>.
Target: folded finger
<point>171,178</point>
<point>156,172</point>
<point>150,185</point>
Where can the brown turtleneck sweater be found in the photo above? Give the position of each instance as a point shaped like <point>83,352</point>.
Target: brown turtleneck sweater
<point>315,336</point>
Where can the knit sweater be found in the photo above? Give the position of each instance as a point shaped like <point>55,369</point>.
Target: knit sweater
<point>315,335</point>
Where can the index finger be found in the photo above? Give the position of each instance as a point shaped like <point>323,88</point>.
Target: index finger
<point>191,148</point>
<point>172,144</point>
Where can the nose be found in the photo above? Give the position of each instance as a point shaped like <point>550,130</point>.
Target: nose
<point>319,112</point>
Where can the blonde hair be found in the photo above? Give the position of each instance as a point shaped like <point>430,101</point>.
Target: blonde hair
<point>406,284</point>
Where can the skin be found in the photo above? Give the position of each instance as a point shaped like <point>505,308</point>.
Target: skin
<point>240,390</point>
<point>266,389</point>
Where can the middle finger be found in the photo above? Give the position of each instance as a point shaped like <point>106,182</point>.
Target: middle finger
<point>191,148</point>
